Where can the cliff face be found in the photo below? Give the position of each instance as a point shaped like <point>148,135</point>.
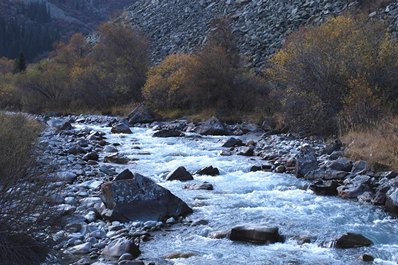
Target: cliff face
<point>261,26</point>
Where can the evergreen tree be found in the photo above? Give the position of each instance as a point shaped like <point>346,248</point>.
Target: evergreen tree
<point>20,64</point>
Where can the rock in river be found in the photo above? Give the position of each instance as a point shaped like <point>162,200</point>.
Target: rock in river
<point>121,246</point>
<point>180,174</point>
<point>212,127</point>
<point>256,234</point>
<point>210,171</point>
<point>121,128</point>
<point>352,240</point>
<point>140,199</point>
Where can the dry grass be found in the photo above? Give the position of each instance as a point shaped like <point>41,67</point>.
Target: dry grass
<point>377,145</point>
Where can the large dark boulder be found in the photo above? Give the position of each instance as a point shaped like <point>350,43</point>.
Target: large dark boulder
<point>306,161</point>
<point>355,187</point>
<point>391,203</point>
<point>256,234</point>
<point>209,171</point>
<point>180,174</point>
<point>233,142</point>
<point>121,128</point>
<point>121,246</point>
<point>212,127</point>
<point>341,164</point>
<point>168,133</point>
<point>327,188</point>
<point>141,114</point>
<point>140,198</point>
<point>352,240</point>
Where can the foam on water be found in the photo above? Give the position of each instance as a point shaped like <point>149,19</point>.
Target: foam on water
<point>243,197</point>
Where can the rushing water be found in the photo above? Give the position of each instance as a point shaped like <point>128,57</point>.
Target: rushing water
<point>243,197</point>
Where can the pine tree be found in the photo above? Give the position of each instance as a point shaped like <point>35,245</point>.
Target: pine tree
<point>20,64</point>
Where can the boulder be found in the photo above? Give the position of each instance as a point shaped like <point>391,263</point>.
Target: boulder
<point>381,194</point>
<point>120,246</point>
<point>91,156</point>
<point>121,128</point>
<point>141,114</point>
<point>335,145</point>
<point>266,168</point>
<point>180,174</point>
<point>203,186</point>
<point>354,188</point>
<point>246,151</point>
<point>352,240</point>
<point>209,171</point>
<point>81,249</point>
<point>125,174</point>
<point>212,127</point>
<point>168,133</point>
<point>256,234</point>
<point>116,159</point>
<point>341,164</point>
<point>233,142</point>
<point>391,203</point>
<point>140,199</point>
<point>366,258</point>
<point>327,188</point>
<point>359,167</point>
<point>306,161</point>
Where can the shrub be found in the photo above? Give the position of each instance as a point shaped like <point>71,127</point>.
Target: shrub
<point>24,206</point>
<point>323,61</point>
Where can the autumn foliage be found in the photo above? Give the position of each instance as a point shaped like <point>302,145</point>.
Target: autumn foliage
<point>329,68</point>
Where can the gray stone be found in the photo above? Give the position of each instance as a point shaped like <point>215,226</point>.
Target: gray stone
<point>118,247</point>
<point>212,127</point>
<point>140,199</point>
<point>180,174</point>
<point>256,234</point>
<point>352,240</point>
<point>121,128</point>
<point>141,114</point>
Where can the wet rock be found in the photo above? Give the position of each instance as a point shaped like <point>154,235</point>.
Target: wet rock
<point>391,203</point>
<point>352,240</point>
<point>266,168</point>
<point>366,258</point>
<point>233,142</point>
<point>381,193</point>
<point>256,234</point>
<point>110,149</point>
<point>219,234</point>
<point>180,174</point>
<point>326,174</point>
<point>212,127</point>
<point>168,133</point>
<point>355,187</point>
<point>327,188</point>
<point>125,174</point>
<point>91,156</point>
<point>203,186</point>
<point>140,199</point>
<point>141,114</point>
<point>180,255</point>
<point>209,171</point>
<point>117,159</point>
<point>121,128</point>
<point>306,161</point>
<point>246,151</point>
<point>121,246</point>
<point>280,169</point>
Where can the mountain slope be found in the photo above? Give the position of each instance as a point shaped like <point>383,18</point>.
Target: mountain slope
<point>261,26</point>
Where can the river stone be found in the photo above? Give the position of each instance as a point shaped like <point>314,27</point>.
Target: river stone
<point>121,246</point>
<point>341,164</point>
<point>60,124</point>
<point>212,127</point>
<point>232,142</point>
<point>203,186</point>
<point>81,249</point>
<point>141,114</point>
<point>91,156</point>
<point>354,188</point>
<point>209,171</point>
<point>256,234</point>
<point>140,199</point>
<point>352,240</point>
<point>306,161</point>
<point>327,188</point>
<point>168,133</point>
<point>116,158</point>
<point>391,203</point>
<point>120,128</point>
<point>180,174</point>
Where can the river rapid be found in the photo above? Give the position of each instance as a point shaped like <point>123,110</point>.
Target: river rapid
<point>243,197</point>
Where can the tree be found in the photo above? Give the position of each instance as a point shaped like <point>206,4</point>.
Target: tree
<point>20,64</point>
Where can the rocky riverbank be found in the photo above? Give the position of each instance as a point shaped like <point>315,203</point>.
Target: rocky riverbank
<point>108,212</point>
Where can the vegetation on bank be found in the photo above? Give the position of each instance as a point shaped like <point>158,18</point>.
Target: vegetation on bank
<point>24,207</point>
<point>336,79</point>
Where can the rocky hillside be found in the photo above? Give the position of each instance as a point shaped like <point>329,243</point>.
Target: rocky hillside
<point>261,25</point>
